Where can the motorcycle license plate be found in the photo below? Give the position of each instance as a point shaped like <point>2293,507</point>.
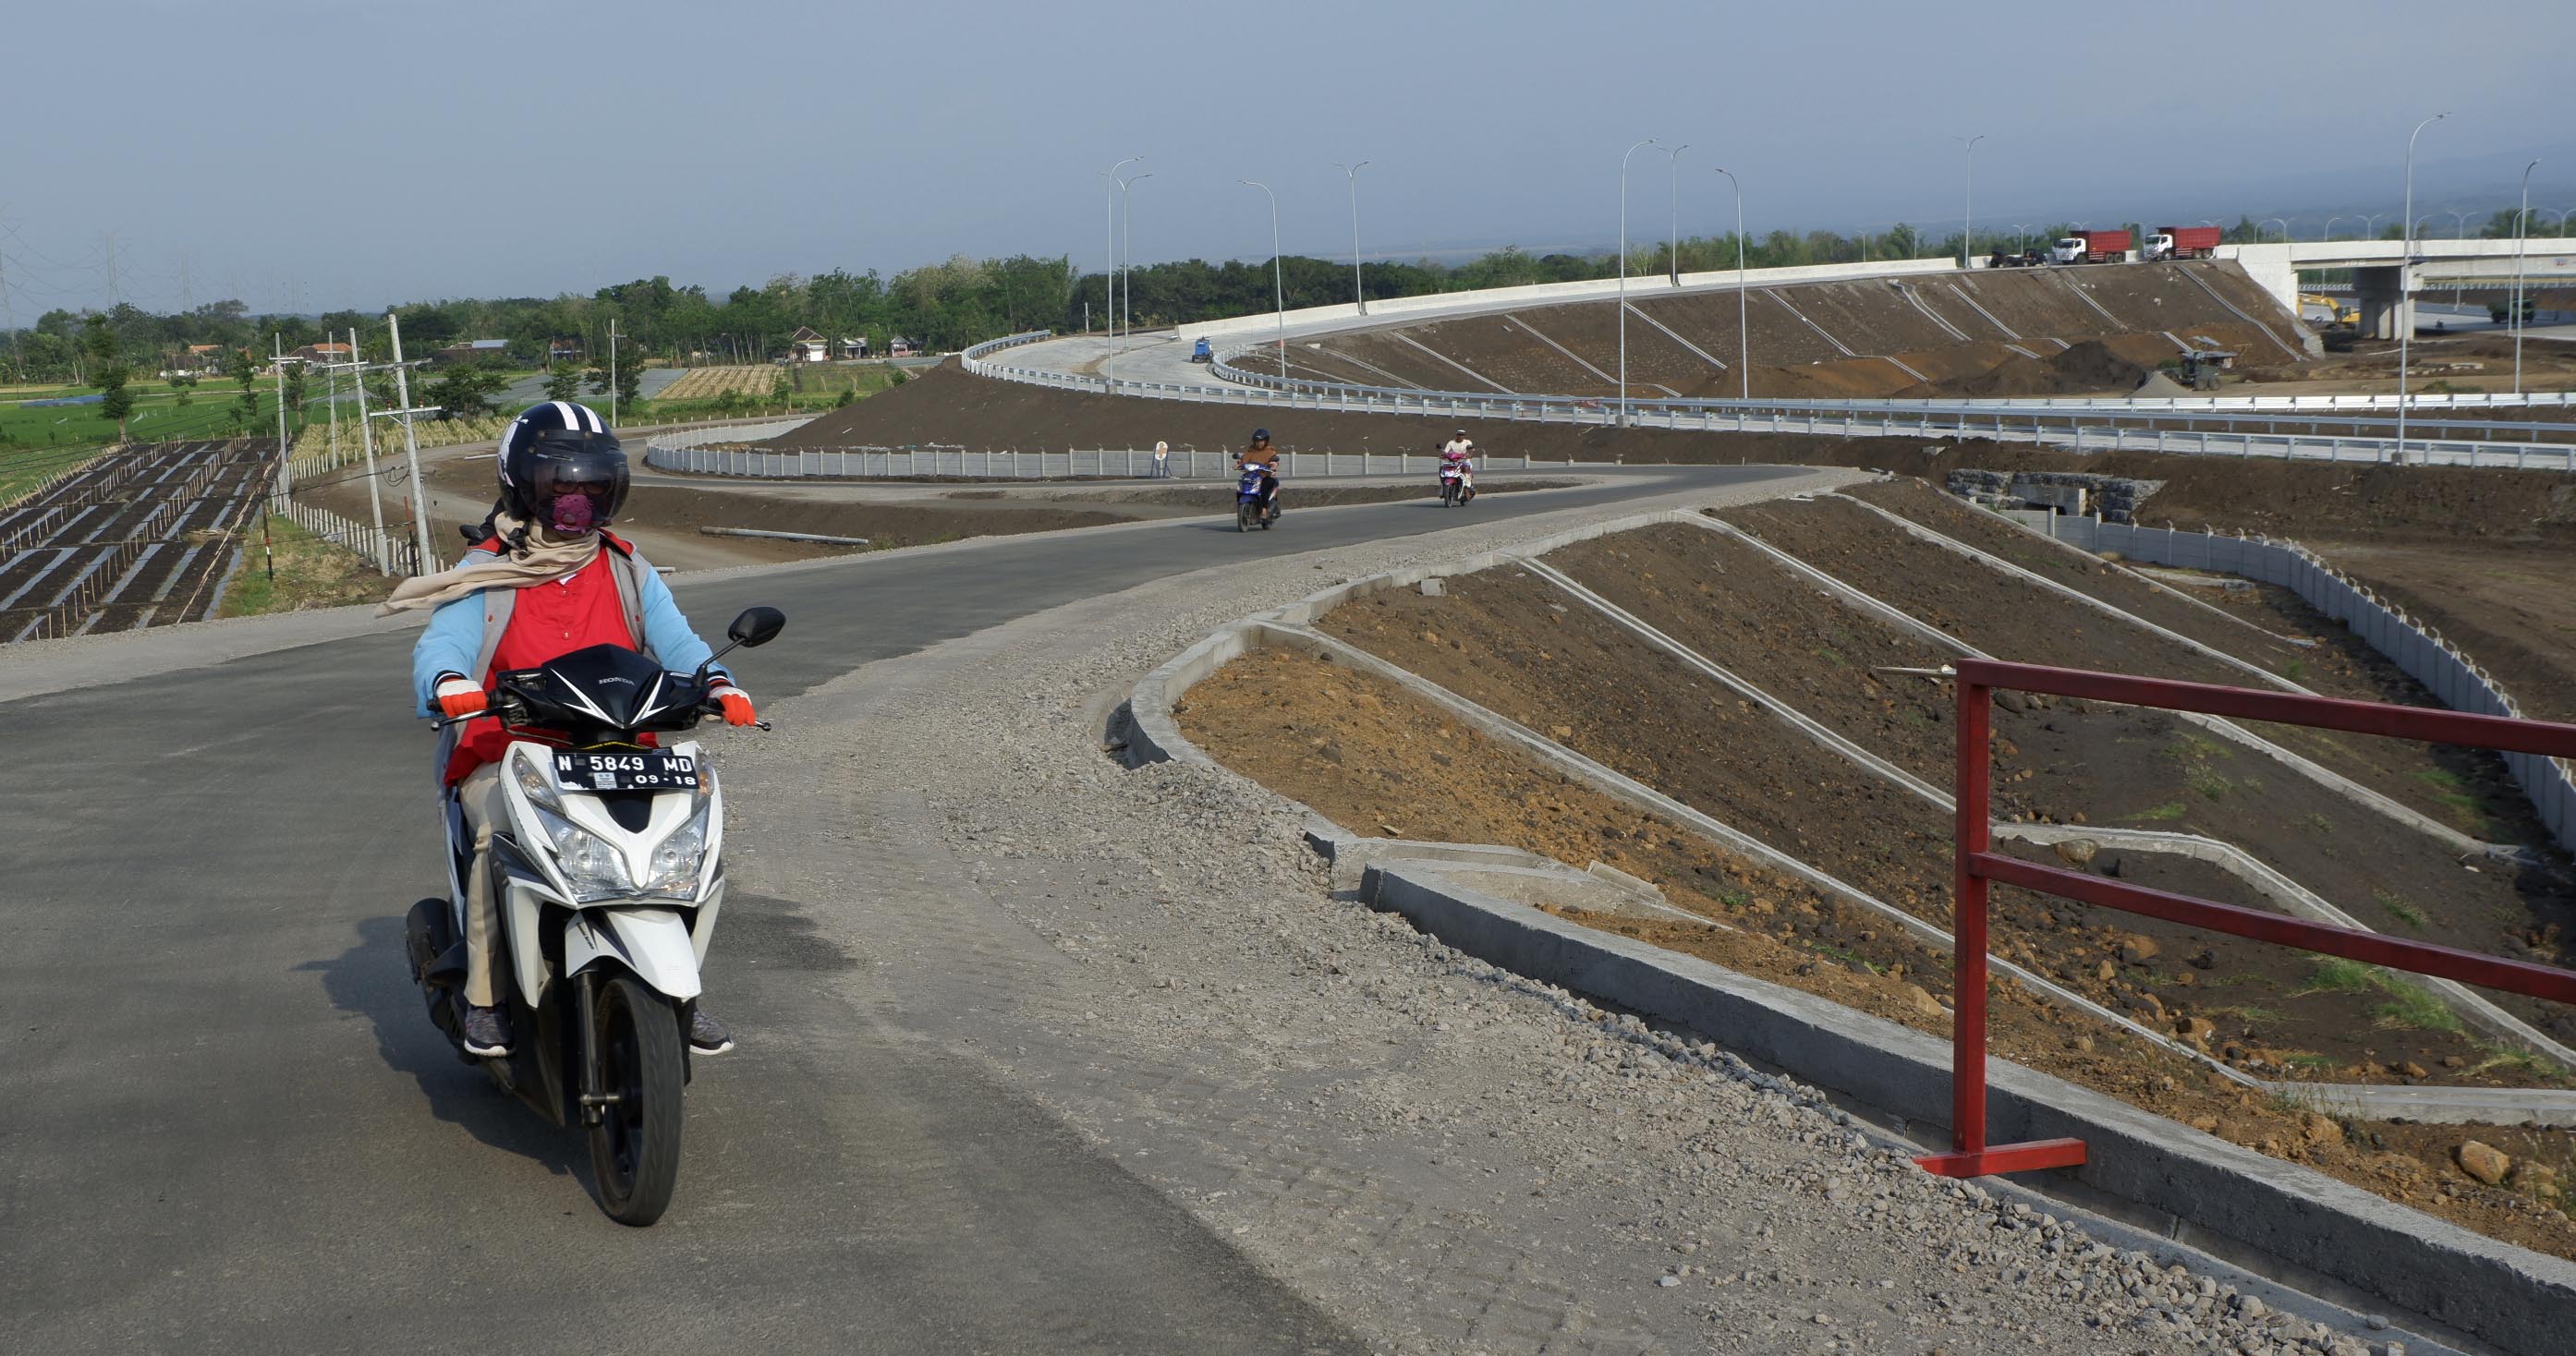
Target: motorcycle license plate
<point>642,770</point>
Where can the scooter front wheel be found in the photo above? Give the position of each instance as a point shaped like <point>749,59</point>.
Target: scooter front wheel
<point>635,1147</point>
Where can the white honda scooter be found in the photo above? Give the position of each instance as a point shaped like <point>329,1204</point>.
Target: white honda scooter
<point>606,879</point>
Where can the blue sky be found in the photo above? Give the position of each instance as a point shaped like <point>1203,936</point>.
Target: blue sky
<point>310,155</point>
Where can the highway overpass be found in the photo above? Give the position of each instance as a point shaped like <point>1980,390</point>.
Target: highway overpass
<point>2383,274</point>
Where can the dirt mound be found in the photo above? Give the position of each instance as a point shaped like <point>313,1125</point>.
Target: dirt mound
<point>2110,364</point>
<point>1370,756</point>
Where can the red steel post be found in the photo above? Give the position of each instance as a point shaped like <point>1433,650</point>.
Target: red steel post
<point>1971,836</point>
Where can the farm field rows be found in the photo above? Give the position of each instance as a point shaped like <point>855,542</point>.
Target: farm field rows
<point>141,537</point>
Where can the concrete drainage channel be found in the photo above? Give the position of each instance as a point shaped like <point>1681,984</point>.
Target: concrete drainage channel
<point>1487,901</point>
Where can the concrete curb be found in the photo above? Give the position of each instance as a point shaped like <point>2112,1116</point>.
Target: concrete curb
<point>2502,1294</point>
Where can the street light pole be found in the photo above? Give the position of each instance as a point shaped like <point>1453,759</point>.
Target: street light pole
<point>1109,277</point>
<point>1359,298</point>
<point>612,376</point>
<point>1126,248</point>
<point>1673,262</point>
<point>1968,237</point>
<point>1278,284</point>
<point>2521,233</point>
<point>2370,224</point>
<point>2328,232</point>
<point>2406,283</point>
<point>1743,335</point>
<point>1623,278</point>
<point>2285,228</point>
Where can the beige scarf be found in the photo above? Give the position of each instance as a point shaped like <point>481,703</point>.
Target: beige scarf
<point>541,557</point>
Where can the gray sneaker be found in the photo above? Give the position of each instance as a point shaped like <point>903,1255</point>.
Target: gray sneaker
<point>487,1031</point>
<point>707,1036</point>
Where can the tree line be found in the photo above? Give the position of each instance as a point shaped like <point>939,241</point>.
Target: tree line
<point>938,307</point>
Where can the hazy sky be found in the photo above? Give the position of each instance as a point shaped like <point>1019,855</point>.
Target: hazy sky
<point>312,155</point>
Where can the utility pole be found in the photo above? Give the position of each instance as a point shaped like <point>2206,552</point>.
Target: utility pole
<point>277,364</point>
<point>367,441</point>
<point>411,446</point>
<point>2406,283</point>
<point>612,375</point>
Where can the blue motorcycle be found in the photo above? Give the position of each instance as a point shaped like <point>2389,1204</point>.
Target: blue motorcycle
<point>1252,506</point>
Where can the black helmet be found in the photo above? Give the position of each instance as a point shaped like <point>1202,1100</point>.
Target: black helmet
<point>561,468</point>
<point>1261,435</point>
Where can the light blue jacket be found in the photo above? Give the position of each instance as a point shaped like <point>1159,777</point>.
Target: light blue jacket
<point>454,636</point>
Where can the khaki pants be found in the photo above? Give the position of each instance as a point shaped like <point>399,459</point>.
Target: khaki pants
<point>479,796</point>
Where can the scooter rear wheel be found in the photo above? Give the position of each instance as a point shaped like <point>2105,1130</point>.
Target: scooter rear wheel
<point>635,1148</point>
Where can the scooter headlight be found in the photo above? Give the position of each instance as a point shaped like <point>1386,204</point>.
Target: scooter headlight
<point>680,858</point>
<point>590,866</point>
<point>676,862</point>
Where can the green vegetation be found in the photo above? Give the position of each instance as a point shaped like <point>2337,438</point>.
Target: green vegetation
<point>2334,974</point>
<point>2308,1059</point>
<point>2165,813</point>
<point>2196,757</point>
<point>2407,1006</point>
<point>2296,670</point>
<point>2399,909</point>
<point>2468,810</point>
<point>311,572</point>
<point>2415,1008</point>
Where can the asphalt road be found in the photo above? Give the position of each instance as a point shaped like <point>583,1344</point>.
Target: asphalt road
<point>226,1124</point>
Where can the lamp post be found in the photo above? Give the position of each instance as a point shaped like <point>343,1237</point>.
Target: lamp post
<point>1278,282</point>
<point>2521,232</point>
<point>1126,306</point>
<point>1623,278</point>
<point>2285,228</point>
<point>1673,262</point>
<point>2021,235</point>
<point>2328,232</point>
<point>2406,283</point>
<point>1359,298</point>
<point>2370,224</point>
<point>1968,237</point>
<point>1743,336</point>
<point>1109,301</point>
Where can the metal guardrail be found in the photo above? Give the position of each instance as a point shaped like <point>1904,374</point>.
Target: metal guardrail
<point>2087,425</point>
<point>900,463</point>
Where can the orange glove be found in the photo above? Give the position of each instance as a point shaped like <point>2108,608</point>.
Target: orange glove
<point>460,696</point>
<point>736,704</point>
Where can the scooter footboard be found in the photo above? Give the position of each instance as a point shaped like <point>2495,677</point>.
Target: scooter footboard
<point>654,943</point>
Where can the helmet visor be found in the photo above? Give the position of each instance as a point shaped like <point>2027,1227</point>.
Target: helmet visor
<point>576,481</point>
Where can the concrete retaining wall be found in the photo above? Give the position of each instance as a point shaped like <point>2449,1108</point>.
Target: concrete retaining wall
<point>2451,676</point>
<point>2512,1297</point>
<point>1639,287</point>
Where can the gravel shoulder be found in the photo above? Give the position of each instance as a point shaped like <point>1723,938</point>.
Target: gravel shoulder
<point>1441,1155</point>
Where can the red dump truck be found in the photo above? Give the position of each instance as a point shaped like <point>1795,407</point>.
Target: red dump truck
<point>2183,242</point>
<point>2092,247</point>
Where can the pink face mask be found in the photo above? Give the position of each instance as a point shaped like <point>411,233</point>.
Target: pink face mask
<point>571,514</point>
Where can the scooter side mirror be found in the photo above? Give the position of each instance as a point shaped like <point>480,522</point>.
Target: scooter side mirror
<point>757,626</point>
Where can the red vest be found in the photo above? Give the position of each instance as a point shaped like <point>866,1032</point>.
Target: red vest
<point>548,621</point>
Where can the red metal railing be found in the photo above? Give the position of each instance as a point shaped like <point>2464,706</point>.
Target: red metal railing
<point>1971,1156</point>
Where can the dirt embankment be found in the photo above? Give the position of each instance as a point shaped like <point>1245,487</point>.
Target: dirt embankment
<point>1513,644</point>
<point>1369,756</point>
<point>2044,332</point>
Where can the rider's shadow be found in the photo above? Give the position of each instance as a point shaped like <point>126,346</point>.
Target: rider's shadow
<point>374,978</point>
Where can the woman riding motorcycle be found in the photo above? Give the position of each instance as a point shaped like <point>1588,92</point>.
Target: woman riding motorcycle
<point>543,579</point>
<point>1263,455</point>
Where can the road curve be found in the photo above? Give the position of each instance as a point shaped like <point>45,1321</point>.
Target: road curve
<point>228,1127</point>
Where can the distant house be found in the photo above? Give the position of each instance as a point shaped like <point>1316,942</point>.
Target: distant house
<point>806,346</point>
<point>322,353</point>
<point>200,360</point>
<point>901,347</point>
<point>563,350</point>
<point>471,350</point>
<point>854,348</point>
